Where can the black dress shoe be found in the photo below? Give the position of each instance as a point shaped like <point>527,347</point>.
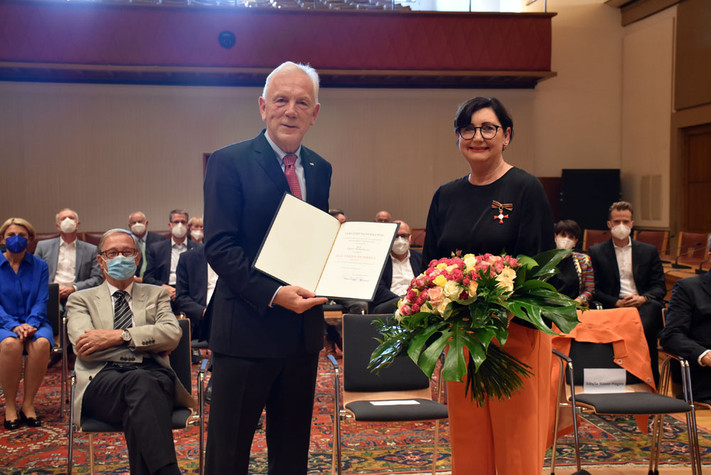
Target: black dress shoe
<point>31,421</point>
<point>12,425</point>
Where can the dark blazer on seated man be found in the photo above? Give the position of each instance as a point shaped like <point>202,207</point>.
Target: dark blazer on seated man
<point>191,286</point>
<point>383,294</point>
<point>149,238</point>
<point>159,253</point>
<point>687,332</point>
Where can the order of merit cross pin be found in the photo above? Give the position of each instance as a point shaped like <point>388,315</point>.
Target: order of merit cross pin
<point>501,207</point>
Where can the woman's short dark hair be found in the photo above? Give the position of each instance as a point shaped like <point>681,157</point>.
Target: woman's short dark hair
<point>467,109</point>
<point>569,227</point>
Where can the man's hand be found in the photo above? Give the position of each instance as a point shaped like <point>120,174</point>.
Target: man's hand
<point>137,279</point>
<point>706,359</point>
<point>297,299</point>
<point>65,292</point>
<point>631,301</point>
<point>95,340</point>
<point>171,290</point>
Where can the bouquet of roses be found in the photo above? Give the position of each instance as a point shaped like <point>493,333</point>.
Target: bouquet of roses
<point>467,302</point>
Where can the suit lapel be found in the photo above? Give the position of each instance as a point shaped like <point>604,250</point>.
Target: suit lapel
<point>266,158</point>
<point>612,257</point>
<point>139,305</point>
<point>104,307</point>
<point>706,282</point>
<point>309,174</point>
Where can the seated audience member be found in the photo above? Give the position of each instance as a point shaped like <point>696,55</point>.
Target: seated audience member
<point>404,265</point>
<point>122,332</point>
<point>23,322</point>
<point>629,273</point>
<point>163,256</point>
<point>383,217</point>
<point>576,278</point>
<point>72,263</point>
<point>138,224</point>
<point>195,229</point>
<point>338,214</point>
<point>687,331</point>
<point>194,286</point>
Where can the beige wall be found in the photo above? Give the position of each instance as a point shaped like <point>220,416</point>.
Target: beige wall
<point>108,149</point>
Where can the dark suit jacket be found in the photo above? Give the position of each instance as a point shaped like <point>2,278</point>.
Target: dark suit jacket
<point>151,238</point>
<point>383,292</point>
<point>87,273</point>
<point>191,284</point>
<point>647,271</point>
<point>243,187</point>
<point>687,331</point>
<point>158,270</point>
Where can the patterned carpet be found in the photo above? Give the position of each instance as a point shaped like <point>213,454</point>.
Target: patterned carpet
<point>368,448</point>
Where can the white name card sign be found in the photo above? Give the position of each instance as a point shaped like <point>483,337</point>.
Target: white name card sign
<point>604,380</point>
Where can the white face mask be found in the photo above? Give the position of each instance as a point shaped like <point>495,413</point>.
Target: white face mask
<point>138,229</point>
<point>620,231</point>
<point>179,230</point>
<point>562,242</point>
<point>196,235</point>
<point>68,225</point>
<point>401,245</point>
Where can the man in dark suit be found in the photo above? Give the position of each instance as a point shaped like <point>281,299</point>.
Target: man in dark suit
<point>163,255</point>
<point>122,332</point>
<point>265,337</point>
<point>687,331</point>
<point>629,273</point>
<point>194,285</point>
<point>138,224</point>
<point>404,265</point>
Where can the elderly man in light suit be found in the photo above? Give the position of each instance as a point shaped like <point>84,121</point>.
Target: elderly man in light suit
<point>122,332</point>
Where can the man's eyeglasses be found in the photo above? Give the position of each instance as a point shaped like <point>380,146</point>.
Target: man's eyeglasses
<point>488,131</point>
<point>113,253</point>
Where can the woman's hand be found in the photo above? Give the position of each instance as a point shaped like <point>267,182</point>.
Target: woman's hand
<point>24,331</point>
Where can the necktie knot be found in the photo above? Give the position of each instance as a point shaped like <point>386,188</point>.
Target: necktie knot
<point>289,159</point>
<point>120,294</point>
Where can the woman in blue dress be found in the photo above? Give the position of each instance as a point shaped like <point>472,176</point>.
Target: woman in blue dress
<point>23,322</point>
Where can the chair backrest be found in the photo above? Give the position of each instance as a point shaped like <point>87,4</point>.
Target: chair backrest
<point>53,308</point>
<point>593,355</point>
<point>418,238</point>
<point>692,245</point>
<point>359,341</point>
<point>594,236</point>
<point>180,358</point>
<point>93,237</point>
<point>658,239</point>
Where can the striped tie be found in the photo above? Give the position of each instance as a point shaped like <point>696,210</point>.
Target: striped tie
<point>290,172</point>
<point>122,312</point>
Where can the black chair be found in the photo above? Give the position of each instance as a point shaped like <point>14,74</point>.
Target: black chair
<point>636,401</point>
<point>399,393</point>
<point>182,417</point>
<point>59,327</point>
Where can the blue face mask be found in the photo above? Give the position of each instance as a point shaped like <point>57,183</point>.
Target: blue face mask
<point>121,268</point>
<point>16,243</point>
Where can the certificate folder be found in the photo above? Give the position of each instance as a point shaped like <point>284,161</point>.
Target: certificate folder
<point>310,248</point>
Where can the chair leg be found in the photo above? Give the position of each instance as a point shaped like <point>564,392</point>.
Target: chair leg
<point>436,446</point>
<point>91,453</point>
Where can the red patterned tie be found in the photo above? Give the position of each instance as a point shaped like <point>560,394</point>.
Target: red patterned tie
<point>290,173</point>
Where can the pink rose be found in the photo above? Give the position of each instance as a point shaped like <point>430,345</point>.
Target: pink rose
<point>435,295</point>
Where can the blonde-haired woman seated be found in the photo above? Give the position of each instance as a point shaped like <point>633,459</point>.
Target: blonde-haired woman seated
<point>23,322</point>
<point>196,229</point>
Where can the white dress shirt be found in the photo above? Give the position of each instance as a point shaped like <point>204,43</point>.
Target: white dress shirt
<point>624,264</point>
<point>402,275</point>
<point>66,263</point>
<point>175,251</point>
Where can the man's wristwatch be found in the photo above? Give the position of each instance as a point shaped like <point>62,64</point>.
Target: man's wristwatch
<point>126,337</point>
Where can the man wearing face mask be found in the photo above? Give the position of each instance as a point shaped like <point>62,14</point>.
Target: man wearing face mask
<point>138,224</point>
<point>72,263</point>
<point>122,332</point>
<point>629,273</point>
<point>404,264</point>
<point>163,256</point>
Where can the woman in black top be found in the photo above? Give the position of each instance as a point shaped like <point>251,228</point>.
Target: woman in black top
<point>497,208</point>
